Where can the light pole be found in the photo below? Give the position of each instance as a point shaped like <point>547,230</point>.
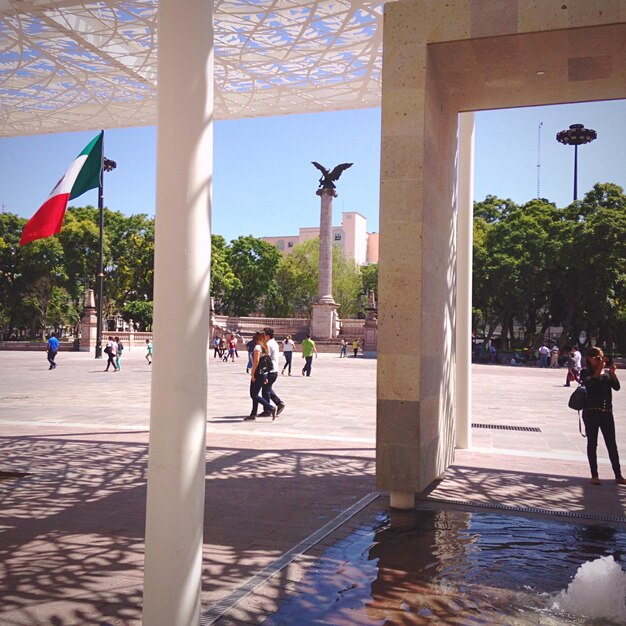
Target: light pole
<point>575,136</point>
<point>107,166</point>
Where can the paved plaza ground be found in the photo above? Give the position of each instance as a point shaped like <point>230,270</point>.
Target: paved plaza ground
<point>72,528</point>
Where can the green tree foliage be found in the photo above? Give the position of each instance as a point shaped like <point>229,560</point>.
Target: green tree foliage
<point>140,312</point>
<point>295,289</point>
<point>43,284</point>
<point>223,279</point>
<point>542,266</point>
<point>254,262</point>
<point>369,277</point>
<point>295,286</point>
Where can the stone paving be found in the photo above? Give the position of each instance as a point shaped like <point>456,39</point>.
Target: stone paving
<point>72,529</point>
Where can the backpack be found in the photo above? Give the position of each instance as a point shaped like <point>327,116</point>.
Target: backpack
<point>264,366</point>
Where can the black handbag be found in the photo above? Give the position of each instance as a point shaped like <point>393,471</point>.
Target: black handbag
<point>577,401</point>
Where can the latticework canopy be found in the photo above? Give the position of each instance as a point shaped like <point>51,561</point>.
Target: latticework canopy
<point>68,65</point>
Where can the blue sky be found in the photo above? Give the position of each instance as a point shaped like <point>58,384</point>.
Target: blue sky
<point>264,183</point>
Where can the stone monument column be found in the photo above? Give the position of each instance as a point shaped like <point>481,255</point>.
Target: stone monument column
<point>325,278</point>
<point>324,312</point>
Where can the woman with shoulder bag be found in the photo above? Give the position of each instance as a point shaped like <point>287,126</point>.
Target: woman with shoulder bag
<point>258,376</point>
<point>598,411</point>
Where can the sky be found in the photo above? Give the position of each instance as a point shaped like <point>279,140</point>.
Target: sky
<point>264,182</point>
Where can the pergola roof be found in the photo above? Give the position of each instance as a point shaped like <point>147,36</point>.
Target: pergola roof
<point>67,65</point>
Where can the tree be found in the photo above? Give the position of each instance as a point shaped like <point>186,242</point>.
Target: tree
<point>223,280</point>
<point>255,263</point>
<point>140,312</point>
<point>369,277</point>
<point>129,257</point>
<point>296,283</point>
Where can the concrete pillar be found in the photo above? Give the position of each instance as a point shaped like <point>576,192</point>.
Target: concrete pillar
<point>465,217</point>
<point>415,435</point>
<point>176,469</point>
<point>325,279</point>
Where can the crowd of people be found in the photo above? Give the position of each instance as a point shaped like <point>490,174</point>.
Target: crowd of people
<point>598,376</point>
<point>263,365</point>
<point>113,350</point>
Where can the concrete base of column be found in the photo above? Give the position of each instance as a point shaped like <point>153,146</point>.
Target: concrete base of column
<point>323,321</point>
<point>402,500</point>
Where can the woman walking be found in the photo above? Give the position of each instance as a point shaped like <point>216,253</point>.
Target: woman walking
<point>258,377</point>
<point>118,356</point>
<point>598,411</point>
<point>288,346</point>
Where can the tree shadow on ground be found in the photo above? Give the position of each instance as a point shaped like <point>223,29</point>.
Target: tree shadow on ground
<point>73,529</point>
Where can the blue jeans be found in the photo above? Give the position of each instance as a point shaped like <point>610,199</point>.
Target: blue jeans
<point>255,388</point>
<point>306,370</point>
<point>268,392</point>
<point>52,354</point>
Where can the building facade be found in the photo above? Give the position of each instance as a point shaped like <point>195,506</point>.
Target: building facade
<point>351,236</point>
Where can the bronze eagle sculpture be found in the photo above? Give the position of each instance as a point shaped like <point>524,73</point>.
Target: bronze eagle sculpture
<point>328,177</point>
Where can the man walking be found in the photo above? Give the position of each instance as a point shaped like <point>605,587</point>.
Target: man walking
<point>308,349</point>
<point>268,392</point>
<point>53,348</point>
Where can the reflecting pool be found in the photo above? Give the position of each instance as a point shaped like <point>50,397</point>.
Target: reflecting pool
<point>452,567</point>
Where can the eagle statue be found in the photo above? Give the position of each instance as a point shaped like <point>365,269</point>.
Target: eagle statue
<point>327,181</point>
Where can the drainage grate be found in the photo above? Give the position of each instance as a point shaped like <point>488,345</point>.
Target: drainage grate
<point>11,475</point>
<point>527,429</point>
<point>467,504</point>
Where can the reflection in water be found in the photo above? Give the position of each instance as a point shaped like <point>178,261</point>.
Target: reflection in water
<point>449,567</point>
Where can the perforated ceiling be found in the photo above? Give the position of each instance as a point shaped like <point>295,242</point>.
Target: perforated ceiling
<point>82,65</point>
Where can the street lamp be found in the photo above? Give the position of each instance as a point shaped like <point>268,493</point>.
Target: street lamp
<point>107,166</point>
<point>575,136</point>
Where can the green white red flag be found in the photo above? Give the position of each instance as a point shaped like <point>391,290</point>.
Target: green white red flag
<point>82,175</point>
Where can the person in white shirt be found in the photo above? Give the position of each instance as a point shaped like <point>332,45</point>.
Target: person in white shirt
<point>111,351</point>
<point>268,392</point>
<point>554,356</point>
<point>288,346</point>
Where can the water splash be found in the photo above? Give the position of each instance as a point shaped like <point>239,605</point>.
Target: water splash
<point>597,591</point>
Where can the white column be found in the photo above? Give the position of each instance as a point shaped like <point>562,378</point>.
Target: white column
<point>464,282</point>
<point>325,278</point>
<point>176,469</point>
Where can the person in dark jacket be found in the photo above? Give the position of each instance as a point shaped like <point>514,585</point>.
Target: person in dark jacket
<point>598,411</point>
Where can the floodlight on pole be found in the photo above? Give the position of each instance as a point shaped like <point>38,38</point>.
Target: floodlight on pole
<point>576,135</point>
<point>107,166</point>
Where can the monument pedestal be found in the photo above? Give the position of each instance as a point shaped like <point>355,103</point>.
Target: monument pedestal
<point>324,320</point>
<point>88,324</point>
<point>370,340</point>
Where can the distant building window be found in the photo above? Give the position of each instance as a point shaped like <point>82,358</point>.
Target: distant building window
<point>290,244</point>
<point>280,244</point>
<point>338,237</point>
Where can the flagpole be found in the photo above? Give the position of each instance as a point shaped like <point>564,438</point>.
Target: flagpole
<point>100,274</point>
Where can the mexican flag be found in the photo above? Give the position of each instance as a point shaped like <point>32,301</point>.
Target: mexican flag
<point>82,175</point>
